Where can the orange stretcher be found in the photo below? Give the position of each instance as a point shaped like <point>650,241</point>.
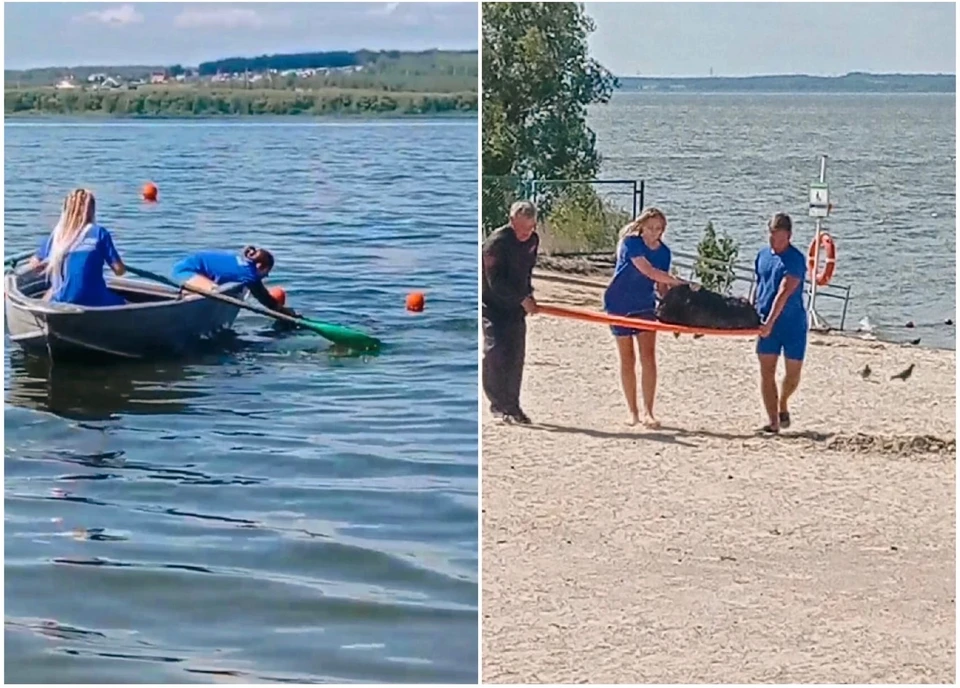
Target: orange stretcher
<point>638,323</point>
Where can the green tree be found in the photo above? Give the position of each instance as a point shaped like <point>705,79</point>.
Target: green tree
<point>716,254</point>
<point>538,80</point>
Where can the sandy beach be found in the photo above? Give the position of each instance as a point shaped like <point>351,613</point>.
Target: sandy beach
<point>703,553</point>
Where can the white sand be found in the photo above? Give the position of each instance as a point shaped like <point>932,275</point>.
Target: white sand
<point>702,553</point>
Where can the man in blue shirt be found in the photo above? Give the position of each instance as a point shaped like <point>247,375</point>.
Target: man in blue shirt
<point>781,269</point>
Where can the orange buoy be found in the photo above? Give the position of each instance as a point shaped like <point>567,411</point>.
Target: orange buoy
<point>415,301</point>
<point>278,294</point>
<point>150,192</point>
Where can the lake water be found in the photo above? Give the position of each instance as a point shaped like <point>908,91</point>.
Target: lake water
<point>736,159</point>
<point>262,511</point>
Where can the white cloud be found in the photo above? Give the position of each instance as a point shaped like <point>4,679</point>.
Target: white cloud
<point>117,15</point>
<point>383,10</point>
<point>227,18</point>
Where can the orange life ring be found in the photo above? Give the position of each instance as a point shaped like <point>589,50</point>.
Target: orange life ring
<point>827,248</point>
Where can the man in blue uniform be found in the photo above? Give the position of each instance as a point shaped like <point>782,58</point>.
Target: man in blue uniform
<point>781,269</point>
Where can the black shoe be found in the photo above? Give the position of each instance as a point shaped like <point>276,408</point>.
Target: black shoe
<point>519,417</point>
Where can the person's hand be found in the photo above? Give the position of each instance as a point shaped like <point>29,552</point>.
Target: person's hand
<point>289,311</point>
<point>765,329</point>
<point>530,305</point>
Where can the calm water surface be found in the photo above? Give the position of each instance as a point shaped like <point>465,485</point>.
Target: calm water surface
<point>261,511</point>
<point>736,159</point>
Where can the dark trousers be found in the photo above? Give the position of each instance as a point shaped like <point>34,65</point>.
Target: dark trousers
<point>504,348</point>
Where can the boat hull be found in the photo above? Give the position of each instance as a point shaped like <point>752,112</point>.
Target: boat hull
<point>157,321</point>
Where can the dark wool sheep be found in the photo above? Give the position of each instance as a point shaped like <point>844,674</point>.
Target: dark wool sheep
<point>707,309</point>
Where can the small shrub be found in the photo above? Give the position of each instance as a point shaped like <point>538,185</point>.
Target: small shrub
<point>716,255</point>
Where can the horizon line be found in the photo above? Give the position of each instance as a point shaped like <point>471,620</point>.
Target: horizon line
<point>781,76</point>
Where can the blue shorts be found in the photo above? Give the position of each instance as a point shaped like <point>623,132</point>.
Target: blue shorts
<point>619,331</point>
<point>787,338</point>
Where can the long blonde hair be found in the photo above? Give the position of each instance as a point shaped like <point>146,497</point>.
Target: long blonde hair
<point>78,213</point>
<point>635,228</point>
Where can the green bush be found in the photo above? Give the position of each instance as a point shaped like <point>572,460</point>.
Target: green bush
<point>716,255</point>
<point>180,101</point>
<point>580,221</point>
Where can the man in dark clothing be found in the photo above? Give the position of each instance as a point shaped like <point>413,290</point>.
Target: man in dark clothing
<point>509,255</point>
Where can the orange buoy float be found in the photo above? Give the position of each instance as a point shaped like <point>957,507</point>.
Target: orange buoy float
<point>278,294</point>
<point>415,301</point>
<point>150,192</point>
<point>827,248</point>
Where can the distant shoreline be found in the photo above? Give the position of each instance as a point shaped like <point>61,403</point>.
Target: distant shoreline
<point>36,116</point>
<point>855,82</point>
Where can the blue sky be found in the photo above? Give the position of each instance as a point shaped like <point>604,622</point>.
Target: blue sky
<point>737,39</point>
<point>70,34</point>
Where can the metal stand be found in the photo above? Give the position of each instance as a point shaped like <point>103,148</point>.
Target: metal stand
<point>819,208</point>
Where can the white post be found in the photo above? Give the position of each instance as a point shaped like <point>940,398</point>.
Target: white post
<point>814,320</point>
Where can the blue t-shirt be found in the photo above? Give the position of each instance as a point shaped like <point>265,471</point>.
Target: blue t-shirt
<point>220,267</point>
<point>771,268</point>
<point>630,291</point>
<point>83,282</point>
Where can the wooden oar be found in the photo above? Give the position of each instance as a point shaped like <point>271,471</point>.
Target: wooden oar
<point>343,336</point>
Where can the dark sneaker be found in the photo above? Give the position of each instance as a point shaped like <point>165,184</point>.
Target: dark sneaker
<point>784,419</point>
<point>520,417</point>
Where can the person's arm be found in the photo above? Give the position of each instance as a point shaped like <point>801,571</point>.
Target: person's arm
<point>658,276</point>
<point>110,254</point>
<point>497,276</point>
<point>40,257</point>
<point>260,293</point>
<point>530,303</point>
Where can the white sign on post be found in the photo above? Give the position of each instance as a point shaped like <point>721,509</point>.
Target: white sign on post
<point>819,200</point>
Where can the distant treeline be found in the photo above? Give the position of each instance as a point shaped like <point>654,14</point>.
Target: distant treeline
<point>854,82</point>
<point>427,61</point>
<point>200,102</point>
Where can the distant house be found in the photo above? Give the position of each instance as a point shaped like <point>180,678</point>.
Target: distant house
<point>158,78</point>
<point>66,83</point>
<point>97,78</point>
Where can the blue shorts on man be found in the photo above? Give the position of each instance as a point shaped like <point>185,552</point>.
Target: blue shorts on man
<point>789,333</point>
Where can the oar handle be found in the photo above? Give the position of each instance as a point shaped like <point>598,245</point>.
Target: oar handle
<point>146,274</point>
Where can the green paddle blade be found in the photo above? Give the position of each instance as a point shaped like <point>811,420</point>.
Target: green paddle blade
<point>342,336</point>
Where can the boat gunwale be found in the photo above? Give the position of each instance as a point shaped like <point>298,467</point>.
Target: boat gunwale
<point>18,299</point>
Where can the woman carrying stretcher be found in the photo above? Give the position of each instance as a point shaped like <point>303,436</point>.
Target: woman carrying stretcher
<point>642,271</point>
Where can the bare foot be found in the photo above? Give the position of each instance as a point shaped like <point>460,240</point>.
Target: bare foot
<point>634,419</point>
<point>651,422</point>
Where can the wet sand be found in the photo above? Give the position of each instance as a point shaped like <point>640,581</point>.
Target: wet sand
<point>703,553</point>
